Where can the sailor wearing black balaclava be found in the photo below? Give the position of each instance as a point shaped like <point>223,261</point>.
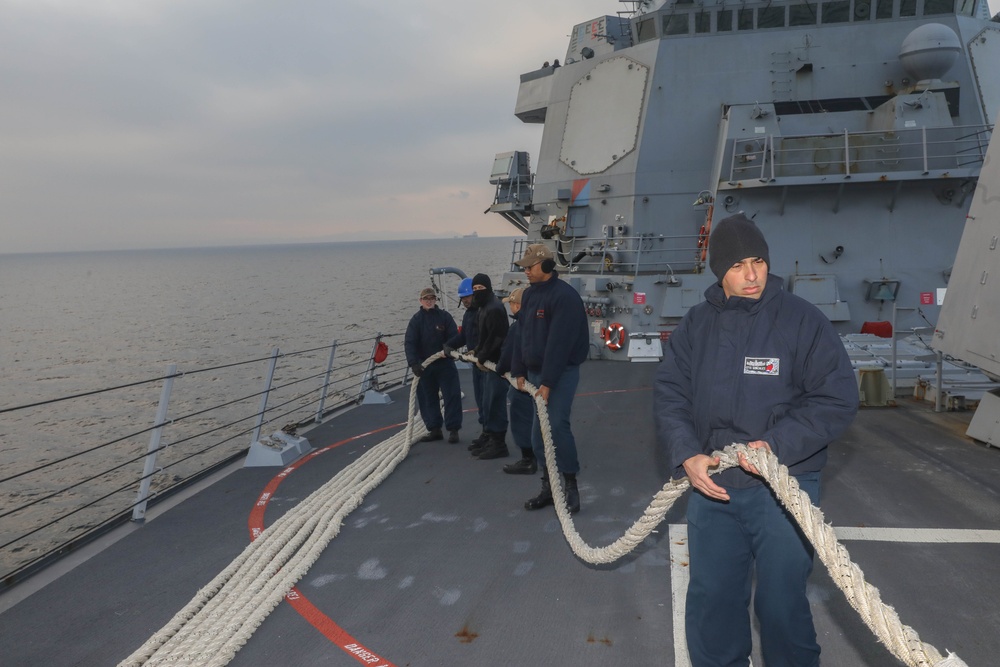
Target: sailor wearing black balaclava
<point>493,325</point>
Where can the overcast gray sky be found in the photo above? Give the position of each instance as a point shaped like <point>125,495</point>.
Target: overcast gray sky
<point>165,123</point>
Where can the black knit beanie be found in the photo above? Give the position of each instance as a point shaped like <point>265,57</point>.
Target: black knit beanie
<point>484,280</point>
<point>734,239</point>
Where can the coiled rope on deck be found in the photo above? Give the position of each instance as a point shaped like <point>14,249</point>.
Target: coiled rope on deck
<point>223,615</point>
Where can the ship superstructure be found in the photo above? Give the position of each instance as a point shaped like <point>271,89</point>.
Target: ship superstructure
<point>851,131</point>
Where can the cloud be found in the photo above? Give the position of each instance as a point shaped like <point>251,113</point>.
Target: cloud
<point>177,122</point>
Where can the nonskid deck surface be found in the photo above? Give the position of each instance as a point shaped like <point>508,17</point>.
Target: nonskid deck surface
<point>441,565</point>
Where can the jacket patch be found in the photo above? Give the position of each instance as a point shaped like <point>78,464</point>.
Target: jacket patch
<point>540,314</point>
<point>760,366</point>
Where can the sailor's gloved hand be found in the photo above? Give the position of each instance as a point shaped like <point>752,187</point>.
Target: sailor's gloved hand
<point>447,349</point>
<point>417,369</point>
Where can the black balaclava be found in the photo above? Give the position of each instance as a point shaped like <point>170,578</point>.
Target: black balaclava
<point>481,297</point>
<point>734,239</point>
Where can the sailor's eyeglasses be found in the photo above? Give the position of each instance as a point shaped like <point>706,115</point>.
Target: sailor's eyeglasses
<point>428,298</point>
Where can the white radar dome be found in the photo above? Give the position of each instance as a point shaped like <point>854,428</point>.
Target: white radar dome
<point>649,6</point>
<point>929,51</point>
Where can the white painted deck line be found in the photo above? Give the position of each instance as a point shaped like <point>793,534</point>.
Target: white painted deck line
<point>678,536</point>
<point>919,535</point>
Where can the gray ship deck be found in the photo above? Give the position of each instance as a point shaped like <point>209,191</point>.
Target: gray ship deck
<point>441,565</point>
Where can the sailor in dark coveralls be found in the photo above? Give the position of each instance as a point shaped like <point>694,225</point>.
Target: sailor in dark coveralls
<point>426,334</point>
<point>553,341</point>
<point>493,324</point>
<point>468,337</point>
<point>522,408</point>
<point>758,365</point>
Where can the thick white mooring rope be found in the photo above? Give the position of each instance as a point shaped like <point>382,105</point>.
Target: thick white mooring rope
<point>224,614</point>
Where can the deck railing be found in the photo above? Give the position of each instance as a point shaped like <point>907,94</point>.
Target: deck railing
<point>890,155</point>
<point>625,255</point>
<point>205,419</point>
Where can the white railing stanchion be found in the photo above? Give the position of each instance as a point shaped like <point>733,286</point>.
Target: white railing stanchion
<point>263,399</point>
<point>324,388</point>
<point>370,393</point>
<point>923,145</point>
<point>139,510</point>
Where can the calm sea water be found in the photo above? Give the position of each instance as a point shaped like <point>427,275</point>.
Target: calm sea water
<point>77,322</point>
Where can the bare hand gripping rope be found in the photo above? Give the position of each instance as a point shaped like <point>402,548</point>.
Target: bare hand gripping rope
<point>224,614</point>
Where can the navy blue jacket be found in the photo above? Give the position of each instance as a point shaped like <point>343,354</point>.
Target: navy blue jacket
<point>468,337</point>
<point>741,369</point>
<point>554,331</point>
<point>492,330</point>
<point>427,333</point>
<point>507,350</point>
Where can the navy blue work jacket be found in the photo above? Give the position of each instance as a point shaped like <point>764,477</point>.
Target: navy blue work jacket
<point>739,369</point>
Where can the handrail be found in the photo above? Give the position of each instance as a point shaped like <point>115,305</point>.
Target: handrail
<point>892,154</point>
<point>74,497</point>
<point>610,257</point>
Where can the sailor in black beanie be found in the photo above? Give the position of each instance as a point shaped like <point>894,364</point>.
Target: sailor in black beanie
<point>752,364</point>
<point>737,241</point>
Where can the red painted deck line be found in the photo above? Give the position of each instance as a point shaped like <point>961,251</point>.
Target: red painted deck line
<point>326,626</point>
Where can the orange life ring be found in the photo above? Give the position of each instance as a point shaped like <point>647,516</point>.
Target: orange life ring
<point>614,336</point>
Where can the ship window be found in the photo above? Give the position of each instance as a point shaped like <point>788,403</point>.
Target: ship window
<point>675,24</point>
<point>883,9</point>
<point>838,11</point>
<point>744,19</point>
<point>829,105</point>
<point>966,7</point>
<point>771,17</point>
<point>862,10</point>
<point>804,14</point>
<point>935,7</point>
<point>647,30</point>
<point>907,7</point>
<point>703,22</point>
<point>724,21</point>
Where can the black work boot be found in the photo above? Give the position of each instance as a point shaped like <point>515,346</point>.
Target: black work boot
<point>496,447</point>
<point>480,444</point>
<point>477,441</point>
<point>453,436</point>
<point>435,434</point>
<point>572,493</point>
<point>526,466</point>
<point>543,499</point>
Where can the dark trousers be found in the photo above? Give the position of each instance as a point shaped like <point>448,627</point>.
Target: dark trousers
<point>440,376</point>
<point>559,407</point>
<point>494,403</point>
<point>522,413</point>
<point>728,543</point>
<point>477,391</point>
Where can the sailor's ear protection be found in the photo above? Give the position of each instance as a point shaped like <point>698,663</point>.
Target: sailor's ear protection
<point>548,265</point>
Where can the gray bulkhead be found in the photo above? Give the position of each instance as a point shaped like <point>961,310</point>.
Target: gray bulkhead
<point>759,121</point>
